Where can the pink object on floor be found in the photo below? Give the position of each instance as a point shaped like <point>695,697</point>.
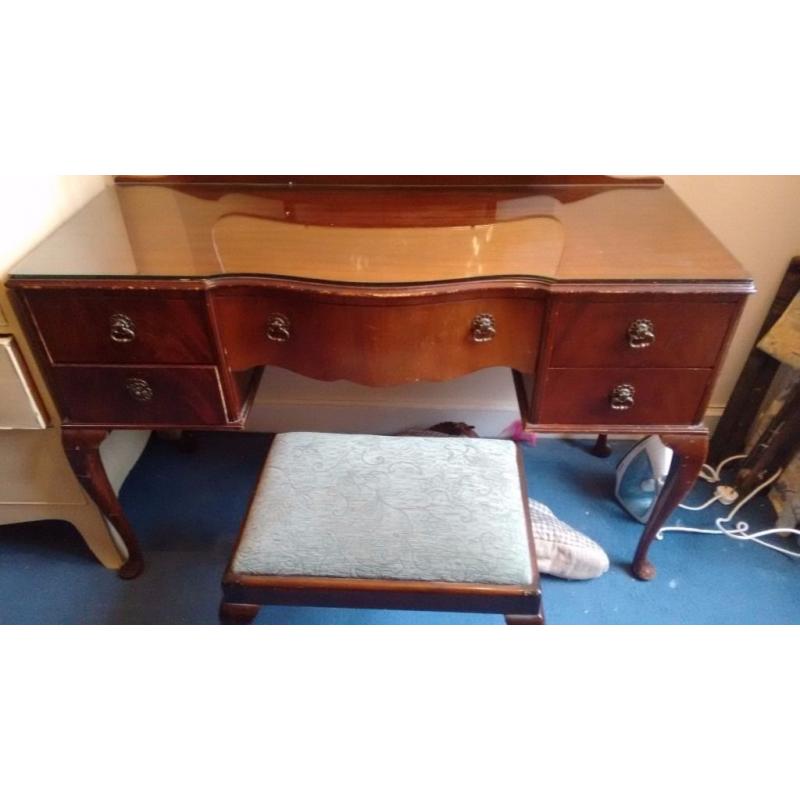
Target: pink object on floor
<point>516,431</point>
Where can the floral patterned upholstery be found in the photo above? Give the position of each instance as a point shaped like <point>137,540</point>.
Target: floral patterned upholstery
<point>410,508</point>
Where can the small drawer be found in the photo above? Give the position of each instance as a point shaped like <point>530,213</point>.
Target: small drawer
<point>19,406</point>
<point>623,396</point>
<point>668,331</point>
<point>175,396</point>
<point>122,327</point>
<point>378,344</point>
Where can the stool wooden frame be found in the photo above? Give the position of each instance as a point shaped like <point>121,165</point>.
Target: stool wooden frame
<point>243,596</point>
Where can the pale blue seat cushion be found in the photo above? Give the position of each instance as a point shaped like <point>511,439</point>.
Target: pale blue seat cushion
<point>403,508</point>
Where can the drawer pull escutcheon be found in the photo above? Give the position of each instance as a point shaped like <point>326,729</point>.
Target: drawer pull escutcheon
<point>622,397</point>
<point>139,389</point>
<point>483,328</point>
<point>279,328</point>
<point>122,329</point>
<point>641,333</point>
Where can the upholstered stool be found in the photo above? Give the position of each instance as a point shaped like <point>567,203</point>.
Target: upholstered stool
<point>387,522</point>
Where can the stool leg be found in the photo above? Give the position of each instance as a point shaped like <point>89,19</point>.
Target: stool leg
<point>237,613</point>
<point>525,619</point>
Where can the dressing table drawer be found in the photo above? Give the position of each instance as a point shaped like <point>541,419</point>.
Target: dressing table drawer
<point>623,396</point>
<point>122,326</point>
<point>640,331</point>
<point>19,404</point>
<point>378,344</point>
<point>179,396</point>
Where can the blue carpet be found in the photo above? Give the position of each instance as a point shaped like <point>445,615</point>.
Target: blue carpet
<point>187,508</point>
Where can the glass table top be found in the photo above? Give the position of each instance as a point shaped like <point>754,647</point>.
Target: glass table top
<point>384,234</point>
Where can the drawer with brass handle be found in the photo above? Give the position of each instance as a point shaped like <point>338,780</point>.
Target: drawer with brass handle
<point>178,396</point>
<point>671,331</point>
<point>623,396</point>
<point>122,327</point>
<point>373,343</point>
<point>483,328</point>
<point>279,329</point>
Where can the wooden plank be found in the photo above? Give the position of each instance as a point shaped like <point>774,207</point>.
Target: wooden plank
<point>755,379</point>
<point>775,448</point>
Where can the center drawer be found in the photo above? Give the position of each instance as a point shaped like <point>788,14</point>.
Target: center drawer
<point>378,344</point>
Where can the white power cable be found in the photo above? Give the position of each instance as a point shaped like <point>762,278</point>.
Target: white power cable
<point>710,502</point>
<point>708,473</point>
<point>727,495</point>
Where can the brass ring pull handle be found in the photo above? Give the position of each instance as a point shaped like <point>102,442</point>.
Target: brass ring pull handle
<point>279,328</point>
<point>483,328</point>
<point>622,397</point>
<point>139,389</point>
<point>641,333</point>
<point>122,329</point>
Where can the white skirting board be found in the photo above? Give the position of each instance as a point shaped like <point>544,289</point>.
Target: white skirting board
<point>486,399</point>
<point>288,402</point>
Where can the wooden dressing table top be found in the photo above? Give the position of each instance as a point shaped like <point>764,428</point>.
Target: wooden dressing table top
<point>387,230</point>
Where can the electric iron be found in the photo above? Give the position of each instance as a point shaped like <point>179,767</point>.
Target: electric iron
<point>641,476</point>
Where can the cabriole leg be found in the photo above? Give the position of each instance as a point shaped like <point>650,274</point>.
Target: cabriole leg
<point>690,452</point>
<point>82,446</point>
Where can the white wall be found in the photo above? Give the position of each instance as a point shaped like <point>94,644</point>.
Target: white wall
<point>31,206</point>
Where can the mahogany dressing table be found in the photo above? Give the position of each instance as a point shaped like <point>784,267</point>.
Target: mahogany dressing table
<point>157,305</point>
